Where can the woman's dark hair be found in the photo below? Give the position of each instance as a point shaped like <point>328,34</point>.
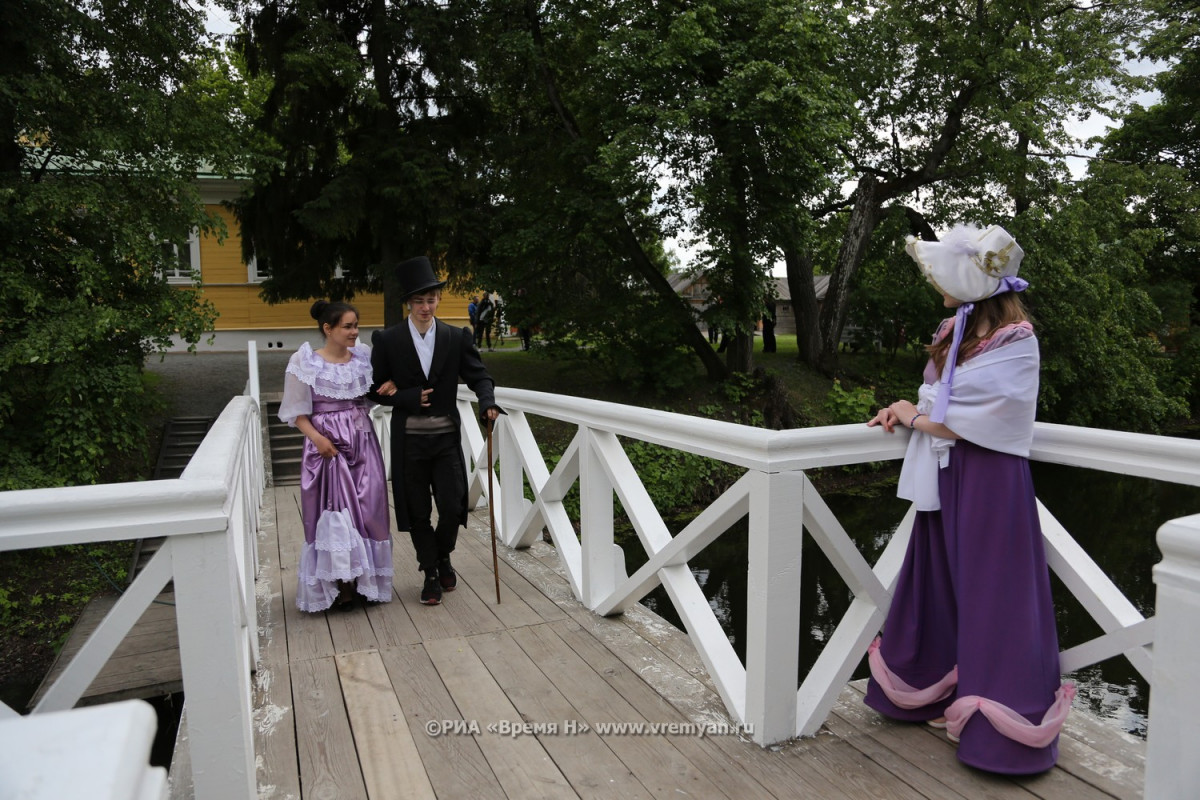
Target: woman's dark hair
<point>989,315</point>
<point>327,313</point>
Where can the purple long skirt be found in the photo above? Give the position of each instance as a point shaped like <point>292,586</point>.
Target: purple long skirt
<point>974,591</point>
<point>343,501</point>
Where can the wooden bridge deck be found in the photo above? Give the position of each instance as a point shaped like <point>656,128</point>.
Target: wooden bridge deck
<point>343,700</point>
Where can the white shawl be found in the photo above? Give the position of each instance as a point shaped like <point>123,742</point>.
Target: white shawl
<point>992,404</point>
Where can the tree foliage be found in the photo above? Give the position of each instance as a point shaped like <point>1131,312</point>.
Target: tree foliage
<point>1157,154</point>
<point>962,114</point>
<point>100,144</point>
<point>548,150</point>
<point>365,144</point>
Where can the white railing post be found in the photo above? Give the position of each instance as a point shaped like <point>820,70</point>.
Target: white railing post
<point>1172,769</point>
<point>252,384</point>
<point>511,504</point>
<point>215,659</point>
<point>596,519</point>
<point>773,604</point>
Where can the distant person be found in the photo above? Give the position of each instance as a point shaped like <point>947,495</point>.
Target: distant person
<point>768,326</point>
<point>425,359</point>
<point>521,316</point>
<point>498,309</point>
<point>971,624</point>
<point>484,313</point>
<point>343,487</point>
<point>473,310</point>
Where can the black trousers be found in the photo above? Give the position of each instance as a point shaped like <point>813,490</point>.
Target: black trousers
<point>433,475</point>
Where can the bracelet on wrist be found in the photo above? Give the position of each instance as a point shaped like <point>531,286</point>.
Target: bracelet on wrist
<point>912,423</point>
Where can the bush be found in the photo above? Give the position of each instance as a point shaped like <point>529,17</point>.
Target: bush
<point>848,406</point>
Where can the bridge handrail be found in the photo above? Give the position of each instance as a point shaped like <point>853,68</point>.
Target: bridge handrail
<point>209,517</point>
<point>776,495</point>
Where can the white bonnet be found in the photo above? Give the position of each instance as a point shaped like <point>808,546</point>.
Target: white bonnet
<point>969,264</point>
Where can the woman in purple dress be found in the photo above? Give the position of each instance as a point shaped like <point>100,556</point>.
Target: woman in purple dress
<point>971,625</point>
<point>343,487</point>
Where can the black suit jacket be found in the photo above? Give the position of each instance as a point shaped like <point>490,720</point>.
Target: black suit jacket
<point>455,359</point>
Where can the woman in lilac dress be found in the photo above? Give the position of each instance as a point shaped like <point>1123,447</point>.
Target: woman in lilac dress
<point>971,626</point>
<point>343,487</point>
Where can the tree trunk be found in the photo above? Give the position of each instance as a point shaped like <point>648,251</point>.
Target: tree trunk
<point>387,120</point>
<point>804,302</point>
<point>739,357</point>
<point>393,307</point>
<point>689,332</point>
<point>861,225</point>
<point>1020,192</point>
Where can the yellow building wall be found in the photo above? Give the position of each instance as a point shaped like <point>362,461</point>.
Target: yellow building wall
<point>225,283</point>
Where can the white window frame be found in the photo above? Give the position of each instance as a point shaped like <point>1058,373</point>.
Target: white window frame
<point>192,275</point>
<point>252,273</point>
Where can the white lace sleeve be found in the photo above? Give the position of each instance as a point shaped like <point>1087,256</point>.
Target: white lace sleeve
<point>297,399</point>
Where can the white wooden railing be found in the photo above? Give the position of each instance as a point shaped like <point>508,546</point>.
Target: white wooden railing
<point>209,517</point>
<point>780,501</point>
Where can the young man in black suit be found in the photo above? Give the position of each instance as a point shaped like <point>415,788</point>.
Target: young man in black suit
<point>426,359</point>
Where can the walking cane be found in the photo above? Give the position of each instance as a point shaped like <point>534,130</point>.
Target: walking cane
<point>492,511</point>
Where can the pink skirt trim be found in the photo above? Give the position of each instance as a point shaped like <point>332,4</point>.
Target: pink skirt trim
<point>1008,722</point>
<point>899,692</point>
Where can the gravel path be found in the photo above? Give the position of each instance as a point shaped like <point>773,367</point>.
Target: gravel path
<point>202,384</point>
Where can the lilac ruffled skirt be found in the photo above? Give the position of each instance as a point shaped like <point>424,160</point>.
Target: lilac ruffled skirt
<point>343,502</point>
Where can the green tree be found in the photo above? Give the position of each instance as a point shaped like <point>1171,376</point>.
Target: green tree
<point>626,123</point>
<point>364,153</point>
<point>1157,150</point>
<point>101,138</point>
<point>1102,364</point>
<point>963,112</point>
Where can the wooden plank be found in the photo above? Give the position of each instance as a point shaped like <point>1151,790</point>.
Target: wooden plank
<point>328,762</point>
<point>1054,784</point>
<point>479,545</point>
<point>144,664</point>
<point>655,760</point>
<point>592,768</point>
<point>901,768</point>
<point>431,622</point>
<point>472,609</point>
<point>391,764</point>
<point>455,765</point>
<point>521,764</point>
<point>350,630</point>
<point>694,697</point>
<point>1102,756</point>
<point>821,760</point>
<point>846,767</point>
<point>145,672</point>
<point>275,745</point>
<point>672,644</point>
<point>152,639</point>
<point>308,633</point>
<point>513,611</point>
<point>927,750</point>
<point>392,624</point>
<point>768,766</point>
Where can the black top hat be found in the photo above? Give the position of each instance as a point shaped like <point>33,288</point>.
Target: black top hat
<point>416,275</point>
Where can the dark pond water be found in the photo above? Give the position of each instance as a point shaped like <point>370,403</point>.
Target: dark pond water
<point>1114,518</point>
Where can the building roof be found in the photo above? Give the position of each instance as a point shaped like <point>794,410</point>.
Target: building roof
<point>681,281</point>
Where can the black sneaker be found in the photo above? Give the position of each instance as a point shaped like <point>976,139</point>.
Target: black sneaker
<point>431,593</point>
<point>447,576</point>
